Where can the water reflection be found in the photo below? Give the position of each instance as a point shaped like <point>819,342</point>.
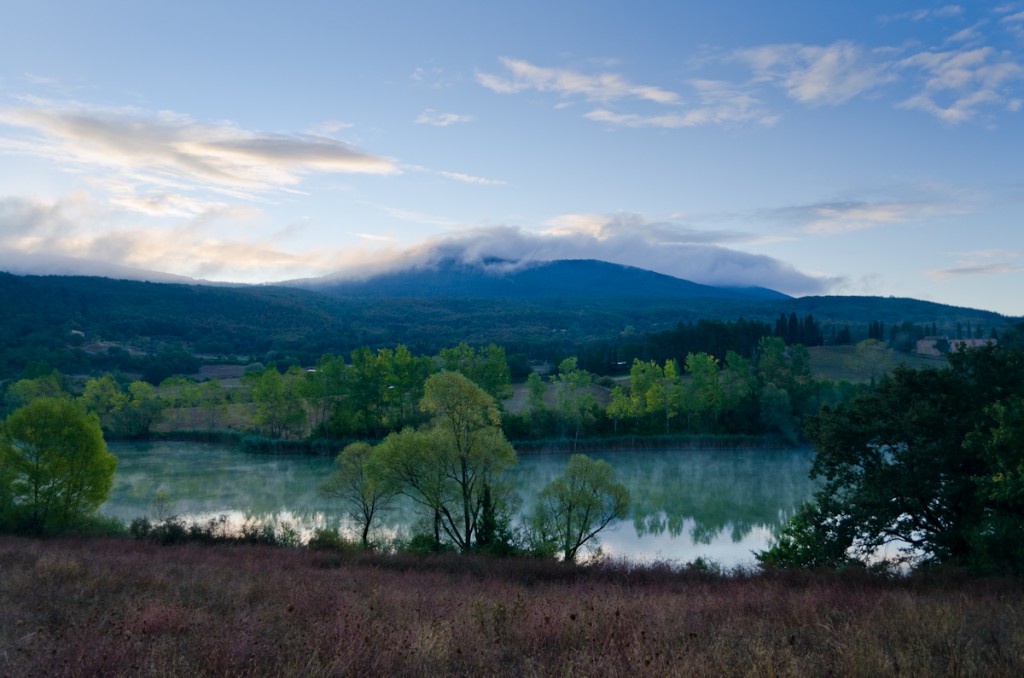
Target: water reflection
<point>717,504</point>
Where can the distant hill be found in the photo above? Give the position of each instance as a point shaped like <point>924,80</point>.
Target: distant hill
<point>545,313</point>
<point>584,279</point>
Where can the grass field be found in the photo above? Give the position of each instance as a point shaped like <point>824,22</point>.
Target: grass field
<point>839,363</point>
<point>119,608</point>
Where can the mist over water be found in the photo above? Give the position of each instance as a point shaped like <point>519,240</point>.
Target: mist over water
<point>714,504</point>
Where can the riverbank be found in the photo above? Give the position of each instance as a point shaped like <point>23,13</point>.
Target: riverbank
<point>323,446</point>
<point>118,607</point>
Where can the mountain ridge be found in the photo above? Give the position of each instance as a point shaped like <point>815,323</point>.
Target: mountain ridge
<point>501,279</point>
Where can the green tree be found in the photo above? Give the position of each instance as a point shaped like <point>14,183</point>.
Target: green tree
<point>573,508</point>
<point>487,368</point>
<point>474,453</point>
<point>24,391</point>
<point>457,469</point>
<point>139,411</point>
<point>412,460</point>
<point>575,401</point>
<point>929,461</point>
<point>56,464</point>
<point>705,395</point>
<point>535,390</point>
<point>361,485</point>
<point>279,405</point>
<point>103,397</point>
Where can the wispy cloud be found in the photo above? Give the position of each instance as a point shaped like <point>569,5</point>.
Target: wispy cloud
<point>432,117</point>
<point>966,79</point>
<point>830,218</point>
<point>602,87</point>
<point>716,102</point>
<point>944,12</point>
<point>456,176</point>
<point>720,103</point>
<point>77,229</point>
<point>981,262</point>
<point>831,74</point>
<point>168,151</point>
<point>471,179</point>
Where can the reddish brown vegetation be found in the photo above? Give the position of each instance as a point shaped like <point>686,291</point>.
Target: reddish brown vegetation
<point>115,607</point>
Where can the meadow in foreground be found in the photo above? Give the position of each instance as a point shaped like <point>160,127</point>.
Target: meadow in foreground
<point>119,607</point>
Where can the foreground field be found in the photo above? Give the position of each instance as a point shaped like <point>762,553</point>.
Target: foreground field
<point>114,607</point>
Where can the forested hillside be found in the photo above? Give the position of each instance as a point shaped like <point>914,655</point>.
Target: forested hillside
<point>83,324</point>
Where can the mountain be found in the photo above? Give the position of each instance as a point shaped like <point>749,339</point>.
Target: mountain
<point>82,325</point>
<point>583,279</point>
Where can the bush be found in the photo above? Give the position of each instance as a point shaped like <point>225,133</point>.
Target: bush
<point>324,539</point>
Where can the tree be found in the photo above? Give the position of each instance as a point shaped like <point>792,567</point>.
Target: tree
<point>575,402</point>
<point>929,462</point>
<point>139,411</point>
<point>579,504</point>
<point>474,453</point>
<point>411,460</point>
<point>24,391</point>
<point>103,397</point>
<point>457,468</point>
<point>56,464</point>
<point>487,368</point>
<point>279,406</point>
<point>358,483</point>
<point>705,396</point>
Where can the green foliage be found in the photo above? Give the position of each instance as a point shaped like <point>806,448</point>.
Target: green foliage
<point>810,540</point>
<point>487,367</point>
<point>24,391</point>
<point>324,539</point>
<point>930,461</point>
<point>573,508</point>
<point>450,467</point>
<point>279,406</point>
<point>359,481</point>
<point>54,465</point>
<point>575,402</point>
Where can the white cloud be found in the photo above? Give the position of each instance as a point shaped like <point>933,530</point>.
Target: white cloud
<point>168,151</point>
<point>432,117</point>
<point>944,12</point>
<point>721,103</point>
<point>457,176</point>
<point>602,87</point>
<point>830,218</point>
<point>81,235</point>
<point>624,239</point>
<point>471,179</point>
<point>833,74</point>
<point>958,83</point>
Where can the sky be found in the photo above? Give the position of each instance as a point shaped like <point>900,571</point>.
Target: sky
<point>867,148</point>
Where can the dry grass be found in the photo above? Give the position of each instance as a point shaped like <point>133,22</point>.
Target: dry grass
<point>113,607</point>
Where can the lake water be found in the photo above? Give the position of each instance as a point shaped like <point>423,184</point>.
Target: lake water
<point>715,504</point>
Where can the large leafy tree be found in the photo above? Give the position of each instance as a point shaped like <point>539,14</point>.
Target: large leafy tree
<point>573,508</point>
<point>55,463</point>
<point>457,467</point>
<point>357,482</point>
<point>929,461</point>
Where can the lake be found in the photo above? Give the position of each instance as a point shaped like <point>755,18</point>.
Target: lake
<point>719,505</point>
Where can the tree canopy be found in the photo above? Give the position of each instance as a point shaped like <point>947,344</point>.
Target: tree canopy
<point>54,464</point>
<point>929,462</point>
<point>579,504</point>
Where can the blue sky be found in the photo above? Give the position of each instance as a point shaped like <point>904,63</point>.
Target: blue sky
<point>812,147</point>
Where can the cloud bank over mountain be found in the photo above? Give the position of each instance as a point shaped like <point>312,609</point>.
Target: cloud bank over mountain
<point>698,256</point>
